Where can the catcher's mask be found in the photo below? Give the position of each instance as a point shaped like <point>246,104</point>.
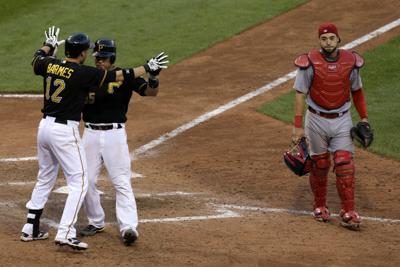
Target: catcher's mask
<point>297,158</point>
<point>105,48</point>
<point>76,44</point>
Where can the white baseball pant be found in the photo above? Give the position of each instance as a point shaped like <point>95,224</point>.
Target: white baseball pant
<point>110,147</point>
<point>60,144</point>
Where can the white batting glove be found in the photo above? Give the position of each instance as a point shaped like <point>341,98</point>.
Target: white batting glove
<point>52,37</point>
<point>157,63</point>
<point>161,61</point>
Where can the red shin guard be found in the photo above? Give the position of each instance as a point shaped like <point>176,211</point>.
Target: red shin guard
<point>344,169</point>
<point>319,178</point>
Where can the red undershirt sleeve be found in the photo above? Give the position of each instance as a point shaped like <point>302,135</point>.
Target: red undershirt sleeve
<point>359,103</point>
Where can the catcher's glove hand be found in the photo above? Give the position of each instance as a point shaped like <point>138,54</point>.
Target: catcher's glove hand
<point>297,158</point>
<point>363,133</point>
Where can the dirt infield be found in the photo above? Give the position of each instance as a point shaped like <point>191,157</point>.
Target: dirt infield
<point>219,193</point>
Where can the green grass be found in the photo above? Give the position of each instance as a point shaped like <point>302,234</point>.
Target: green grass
<point>141,28</point>
<point>381,82</point>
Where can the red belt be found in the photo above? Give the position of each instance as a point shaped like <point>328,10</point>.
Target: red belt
<point>327,115</point>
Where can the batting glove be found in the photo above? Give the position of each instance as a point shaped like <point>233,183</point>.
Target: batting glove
<point>157,63</point>
<point>52,37</point>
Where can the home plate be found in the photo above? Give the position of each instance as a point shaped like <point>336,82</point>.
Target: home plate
<point>137,175</point>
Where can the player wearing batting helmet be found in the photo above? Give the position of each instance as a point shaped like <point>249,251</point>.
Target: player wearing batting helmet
<point>66,83</point>
<point>76,44</point>
<point>327,79</point>
<point>105,142</point>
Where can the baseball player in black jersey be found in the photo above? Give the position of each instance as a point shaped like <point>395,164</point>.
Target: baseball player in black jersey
<point>66,83</point>
<point>105,143</point>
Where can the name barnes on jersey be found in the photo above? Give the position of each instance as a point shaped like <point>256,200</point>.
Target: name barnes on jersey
<point>59,70</point>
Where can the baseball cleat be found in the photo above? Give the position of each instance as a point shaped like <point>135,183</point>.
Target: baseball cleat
<point>72,242</point>
<point>91,230</point>
<point>29,237</point>
<point>130,236</point>
<point>350,220</point>
<point>321,214</point>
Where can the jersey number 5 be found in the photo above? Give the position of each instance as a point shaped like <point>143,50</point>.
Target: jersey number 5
<point>58,86</point>
<point>112,86</point>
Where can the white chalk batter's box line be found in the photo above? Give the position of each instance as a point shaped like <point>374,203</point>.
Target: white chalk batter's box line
<point>222,211</point>
<point>156,142</point>
<point>135,175</point>
<point>226,211</point>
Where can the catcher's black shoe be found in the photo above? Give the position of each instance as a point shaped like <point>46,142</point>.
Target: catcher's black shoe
<point>91,230</point>
<point>72,242</point>
<point>129,236</point>
<point>29,237</point>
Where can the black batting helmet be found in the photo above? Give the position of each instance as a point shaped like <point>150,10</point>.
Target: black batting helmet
<point>105,48</point>
<point>76,43</point>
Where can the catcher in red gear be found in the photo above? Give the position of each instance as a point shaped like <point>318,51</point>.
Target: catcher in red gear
<point>327,79</point>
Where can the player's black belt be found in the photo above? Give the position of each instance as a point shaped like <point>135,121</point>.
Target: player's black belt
<point>58,120</point>
<point>327,115</point>
<point>103,127</point>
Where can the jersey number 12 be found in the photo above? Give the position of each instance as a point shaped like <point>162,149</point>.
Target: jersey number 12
<point>58,85</point>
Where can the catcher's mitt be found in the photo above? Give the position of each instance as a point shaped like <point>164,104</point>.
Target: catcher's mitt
<point>362,133</point>
<point>297,158</point>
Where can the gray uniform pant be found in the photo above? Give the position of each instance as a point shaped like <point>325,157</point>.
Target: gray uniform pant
<point>325,134</point>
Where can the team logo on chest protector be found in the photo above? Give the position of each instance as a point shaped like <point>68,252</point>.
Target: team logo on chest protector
<point>330,88</point>
<point>332,68</point>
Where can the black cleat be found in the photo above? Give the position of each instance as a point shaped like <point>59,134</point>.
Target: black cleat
<point>129,237</point>
<point>91,230</point>
<point>29,237</point>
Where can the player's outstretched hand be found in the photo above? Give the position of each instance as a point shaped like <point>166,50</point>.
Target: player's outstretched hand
<point>52,37</point>
<point>156,64</point>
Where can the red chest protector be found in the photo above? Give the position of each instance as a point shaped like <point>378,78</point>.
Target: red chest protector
<point>330,88</point>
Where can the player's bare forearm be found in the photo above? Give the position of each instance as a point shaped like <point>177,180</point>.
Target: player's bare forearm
<point>155,64</point>
<point>139,71</point>
<point>46,49</point>
<point>299,104</point>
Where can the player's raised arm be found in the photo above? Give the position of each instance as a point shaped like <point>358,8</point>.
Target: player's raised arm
<point>154,65</point>
<point>49,47</point>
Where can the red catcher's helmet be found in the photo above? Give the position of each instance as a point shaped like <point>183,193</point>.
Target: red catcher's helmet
<point>328,28</point>
<point>298,158</point>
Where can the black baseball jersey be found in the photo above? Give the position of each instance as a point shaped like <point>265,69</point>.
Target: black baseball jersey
<point>66,85</point>
<point>110,103</point>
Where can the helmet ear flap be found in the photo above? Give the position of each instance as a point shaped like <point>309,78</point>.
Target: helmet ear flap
<point>112,59</point>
